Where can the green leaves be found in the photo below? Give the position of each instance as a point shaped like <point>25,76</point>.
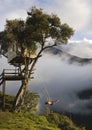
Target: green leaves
<point>30,102</point>
<point>66,32</point>
<point>43,26</point>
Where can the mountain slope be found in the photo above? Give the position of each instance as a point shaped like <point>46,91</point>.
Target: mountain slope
<point>67,56</point>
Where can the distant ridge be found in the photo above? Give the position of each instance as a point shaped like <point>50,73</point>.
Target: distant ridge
<point>70,57</point>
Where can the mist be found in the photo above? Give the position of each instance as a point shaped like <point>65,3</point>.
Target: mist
<point>63,81</point>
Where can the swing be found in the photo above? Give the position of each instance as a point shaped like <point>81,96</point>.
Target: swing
<point>49,101</point>
<point>53,102</point>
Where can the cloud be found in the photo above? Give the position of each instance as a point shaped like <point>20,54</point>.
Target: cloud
<point>78,52</point>
<point>62,81</point>
<point>17,14</point>
<point>76,13</point>
<point>81,48</point>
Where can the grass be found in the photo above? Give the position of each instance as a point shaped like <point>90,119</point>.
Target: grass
<point>20,121</point>
<point>8,101</point>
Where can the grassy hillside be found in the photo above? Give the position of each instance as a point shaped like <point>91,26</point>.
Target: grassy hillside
<point>28,121</point>
<point>9,121</point>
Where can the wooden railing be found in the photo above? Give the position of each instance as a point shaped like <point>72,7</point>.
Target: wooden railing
<point>11,74</point>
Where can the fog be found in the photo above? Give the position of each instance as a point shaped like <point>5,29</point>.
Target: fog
<point>58,78</point>
<point>63,81</point>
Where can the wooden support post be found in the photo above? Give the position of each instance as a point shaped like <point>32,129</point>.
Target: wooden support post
<point>3,96</point>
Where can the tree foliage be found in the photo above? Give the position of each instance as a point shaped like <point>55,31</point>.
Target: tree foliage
<point>36,30</point>
<point>30,102</point>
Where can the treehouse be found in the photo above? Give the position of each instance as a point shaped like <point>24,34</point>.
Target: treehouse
<point>16,55</point>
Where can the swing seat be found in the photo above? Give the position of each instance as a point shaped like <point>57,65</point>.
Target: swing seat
<point>51,102</point>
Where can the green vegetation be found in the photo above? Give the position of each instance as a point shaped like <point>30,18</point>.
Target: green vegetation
<point>29,103</point>
<point>8,101</point>
<point>63,122</point>
<point>28,120</point>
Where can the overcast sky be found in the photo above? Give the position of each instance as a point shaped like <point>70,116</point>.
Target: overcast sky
<point>77,13</point>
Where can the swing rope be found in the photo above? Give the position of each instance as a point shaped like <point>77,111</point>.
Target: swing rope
<point>48,99</point>
<point>44,87</point>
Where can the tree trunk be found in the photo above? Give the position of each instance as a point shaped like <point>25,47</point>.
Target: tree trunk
<point>24,87</point>
<point>20,95</point>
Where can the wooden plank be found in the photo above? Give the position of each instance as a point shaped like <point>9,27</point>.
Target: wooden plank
<point>9,77</point>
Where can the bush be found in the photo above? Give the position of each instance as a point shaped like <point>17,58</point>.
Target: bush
<point>63,122</point>
<point>30,102</point>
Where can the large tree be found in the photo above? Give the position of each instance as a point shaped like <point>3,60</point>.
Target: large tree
<point>37,33</point>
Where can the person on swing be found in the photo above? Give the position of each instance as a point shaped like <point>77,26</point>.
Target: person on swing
<point>51,102</point>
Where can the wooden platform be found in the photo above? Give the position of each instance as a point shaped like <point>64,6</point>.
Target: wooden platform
<point>11,75</point>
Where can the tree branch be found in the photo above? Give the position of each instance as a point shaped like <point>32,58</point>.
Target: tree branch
<point>49,46</point>
<point>35,60</point>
